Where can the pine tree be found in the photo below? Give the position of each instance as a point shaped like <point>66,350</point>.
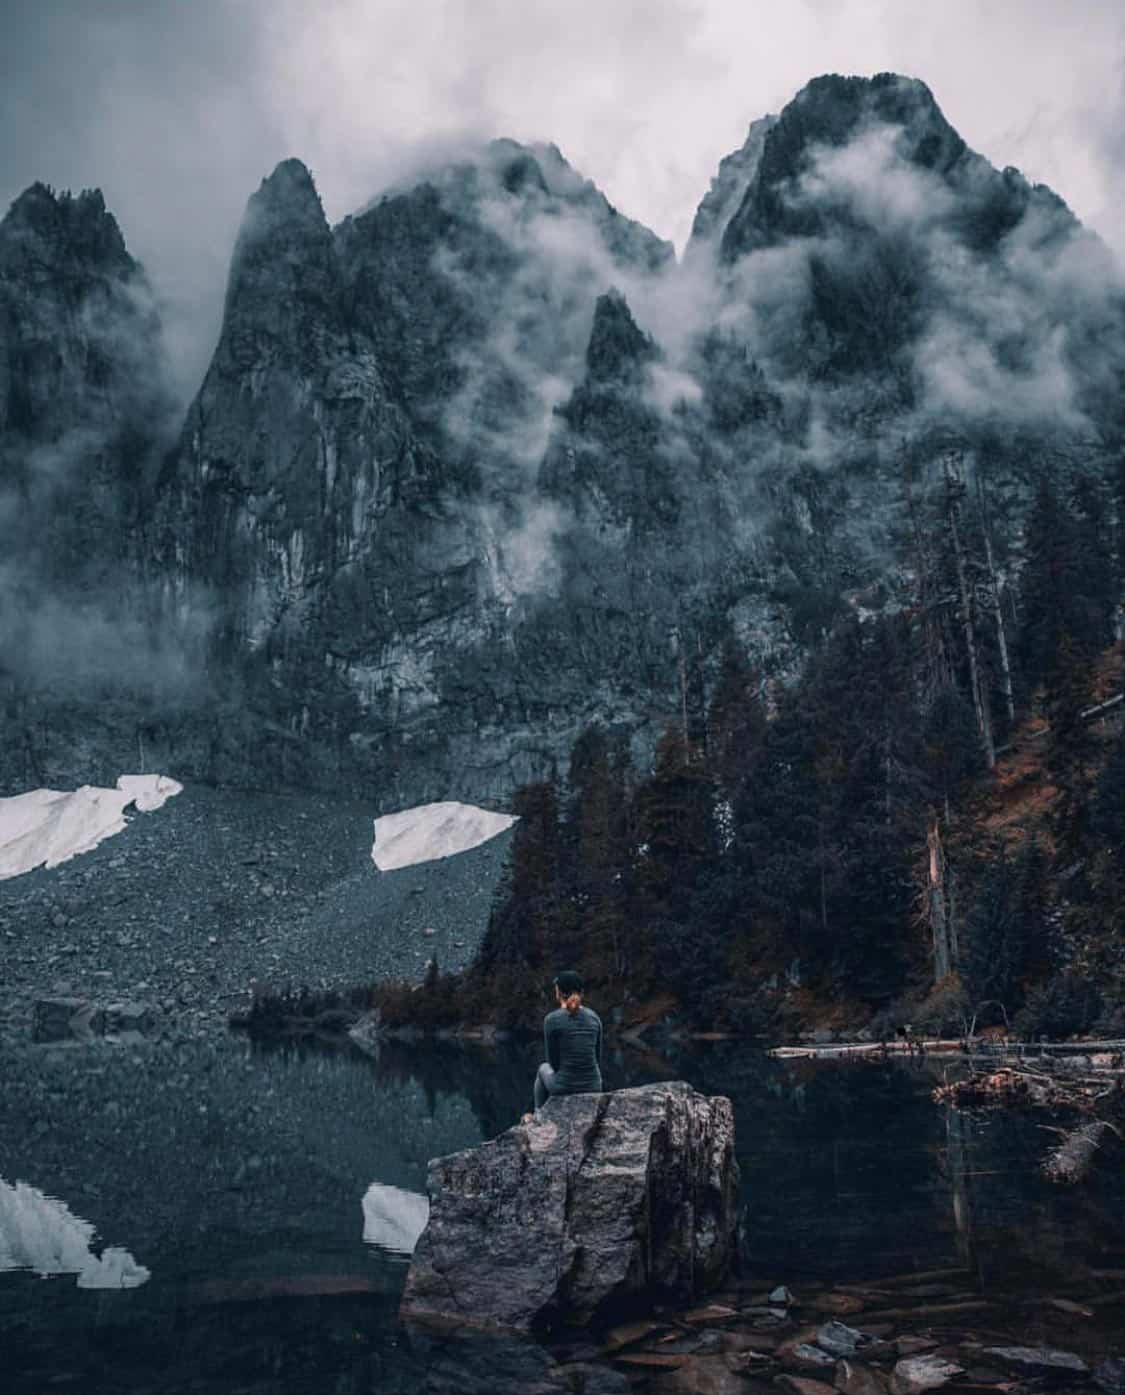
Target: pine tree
<point>736,718</point>
<point>1070,743</point>
<point>675,828</point>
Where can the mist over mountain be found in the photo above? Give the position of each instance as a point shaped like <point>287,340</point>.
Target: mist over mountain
<point>485,464</point>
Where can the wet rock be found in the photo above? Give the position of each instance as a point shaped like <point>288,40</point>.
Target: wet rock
<point>1110,1375</point>
<point>705,1375</point>
<point>838,1338</point>
<point>1040,1361</point>
<point>766,1319</point>
<point>713,1312</point>
<point>911,1346</point>
<point>853,1378</point>
<point>915,1374</point>
<point>628,1195</point>
<point>460,1362</point>
<point>631,1332</point>
<point>741,1340</point>
<point>806,1355</point>
<point>654,1360</point>
<point>781,1295</point>
<point>693,1343</point>
<point>805,1385</point>
<point>981,1375</point>
<point>842,1304</point>
<point>591,1379</point>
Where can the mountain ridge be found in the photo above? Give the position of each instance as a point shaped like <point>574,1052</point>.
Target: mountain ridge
<point>484,463</point>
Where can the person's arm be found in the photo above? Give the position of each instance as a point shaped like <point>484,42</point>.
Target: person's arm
<point>599,1057</point>
<point>551,1044</point>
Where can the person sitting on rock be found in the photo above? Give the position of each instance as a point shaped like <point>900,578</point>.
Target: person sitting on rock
<point>572,1036</point>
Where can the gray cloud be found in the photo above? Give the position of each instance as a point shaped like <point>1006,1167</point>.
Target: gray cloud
<point>176,110</point>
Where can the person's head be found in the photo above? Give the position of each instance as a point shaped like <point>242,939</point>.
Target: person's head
<point>568,990</point>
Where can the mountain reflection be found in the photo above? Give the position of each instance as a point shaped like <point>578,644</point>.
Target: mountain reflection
<point>42,1234</point>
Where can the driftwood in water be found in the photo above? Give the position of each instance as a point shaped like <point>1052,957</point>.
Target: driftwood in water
<point>1070,1161</point>
<point>1057,1091</point>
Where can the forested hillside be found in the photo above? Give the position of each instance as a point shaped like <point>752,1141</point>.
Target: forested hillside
<point>928,826</point>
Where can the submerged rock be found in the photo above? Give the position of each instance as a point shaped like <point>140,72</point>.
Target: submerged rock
<point>1039,1360</point>
<point>600,1201</point>
<point>914,1375</point>
<point>1110,1375</point>
<point>838,1338</point>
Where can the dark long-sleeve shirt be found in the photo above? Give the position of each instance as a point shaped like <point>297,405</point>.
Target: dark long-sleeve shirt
<point>573,1043</point>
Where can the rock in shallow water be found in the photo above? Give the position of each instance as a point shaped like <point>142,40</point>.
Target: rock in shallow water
<point>1040,1360</point>
<point>600,1201</point>
<point>914,1375</point>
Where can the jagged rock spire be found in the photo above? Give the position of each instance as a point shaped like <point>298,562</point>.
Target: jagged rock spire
<point>618,348</point>
<point>63,227</point>
<point>284,287</point>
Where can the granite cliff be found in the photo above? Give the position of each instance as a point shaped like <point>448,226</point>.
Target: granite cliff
<point>485,463</point>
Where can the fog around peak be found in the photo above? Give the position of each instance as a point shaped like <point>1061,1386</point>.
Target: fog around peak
<point>177,112</point>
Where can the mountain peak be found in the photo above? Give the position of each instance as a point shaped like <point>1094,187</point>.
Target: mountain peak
<point>285,211</point>
<point>832,112</point>
<point>618,347</point>
<point>66,226</point>
<point>284,283</point>
<point>515,167</point>
<point>289,195</point>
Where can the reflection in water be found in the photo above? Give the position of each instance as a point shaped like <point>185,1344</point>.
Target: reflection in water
<point>245,1168</point>
<point>37,1232</point>
<point>393,1218</point>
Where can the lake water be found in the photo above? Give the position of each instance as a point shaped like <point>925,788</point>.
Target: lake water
<point>222,1219</point>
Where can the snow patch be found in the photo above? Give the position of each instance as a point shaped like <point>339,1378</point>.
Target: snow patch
<point>433,831</point>
<point>393,1218</point>
<point>42,1234</point>
<point>45,827</point>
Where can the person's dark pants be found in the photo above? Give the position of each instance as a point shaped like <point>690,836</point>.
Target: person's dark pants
<point>544,1084</point>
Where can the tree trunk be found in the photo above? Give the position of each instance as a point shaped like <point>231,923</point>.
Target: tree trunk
<point>1070,1161</point>
<point>941,919</point>
<point>980,697</point>
<point>997,608</point>
<point>1001,633</point>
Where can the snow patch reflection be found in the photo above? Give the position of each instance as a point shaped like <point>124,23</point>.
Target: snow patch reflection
<point>44,1235</point>
<point>393,1219</point>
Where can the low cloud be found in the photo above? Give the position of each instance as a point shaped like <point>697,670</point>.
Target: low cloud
<point>177,110</point>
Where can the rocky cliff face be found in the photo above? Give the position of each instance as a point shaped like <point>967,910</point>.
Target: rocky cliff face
<point>358,479</point>
<point>79,387</point>
<point>84,414</point>
<point>484,464</point>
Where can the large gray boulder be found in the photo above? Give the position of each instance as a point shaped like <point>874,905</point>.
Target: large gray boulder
<point>600,1201</point>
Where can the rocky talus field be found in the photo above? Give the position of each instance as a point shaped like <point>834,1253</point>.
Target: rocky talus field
<point>181,912</point>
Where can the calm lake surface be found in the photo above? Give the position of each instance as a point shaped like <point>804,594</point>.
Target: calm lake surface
<point>217,1218</point>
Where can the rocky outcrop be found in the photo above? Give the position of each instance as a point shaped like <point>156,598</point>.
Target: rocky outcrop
<point>600,1202</point>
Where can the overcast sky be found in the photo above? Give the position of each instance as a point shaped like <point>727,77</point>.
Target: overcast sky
<point>178,108</point>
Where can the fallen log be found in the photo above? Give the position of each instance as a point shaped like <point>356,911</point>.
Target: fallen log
<point>1070,1161</point>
